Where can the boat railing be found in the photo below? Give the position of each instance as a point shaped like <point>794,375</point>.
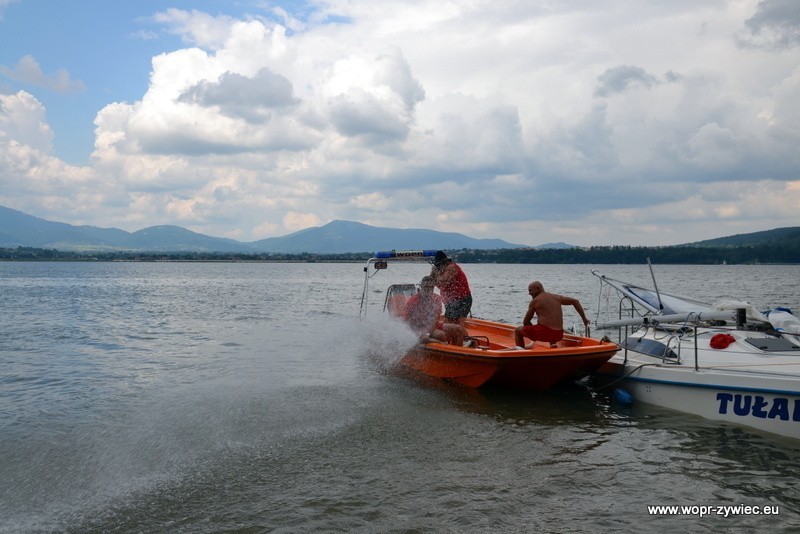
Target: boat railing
<point>629,322</point>
<point>675,318</point>
<point>626,304</point>
<point>674,344</point>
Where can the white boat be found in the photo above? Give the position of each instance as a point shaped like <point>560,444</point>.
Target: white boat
<point>725,361</point>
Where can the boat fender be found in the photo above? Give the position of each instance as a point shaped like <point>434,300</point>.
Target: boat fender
<point>721,341</point>
<point>623,397</point>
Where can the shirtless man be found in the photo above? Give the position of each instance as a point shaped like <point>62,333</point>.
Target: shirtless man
<point>550,318</point>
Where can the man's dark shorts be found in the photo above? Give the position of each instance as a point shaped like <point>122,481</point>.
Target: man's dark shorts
<point>458,308</point>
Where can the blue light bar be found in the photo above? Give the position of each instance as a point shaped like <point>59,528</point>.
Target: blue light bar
<point>405,254</point>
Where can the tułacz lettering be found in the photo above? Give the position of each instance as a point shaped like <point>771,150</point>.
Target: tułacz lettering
<point>757,406</point>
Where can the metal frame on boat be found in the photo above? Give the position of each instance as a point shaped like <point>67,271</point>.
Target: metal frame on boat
<point>381,261</point>
<point>492,358</point>
<point>724,362</point>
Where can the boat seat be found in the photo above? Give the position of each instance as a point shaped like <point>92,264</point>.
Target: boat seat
<point>397,296</point>
<point>396,304</point>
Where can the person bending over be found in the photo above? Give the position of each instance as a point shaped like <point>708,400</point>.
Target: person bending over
<point>453,284</point>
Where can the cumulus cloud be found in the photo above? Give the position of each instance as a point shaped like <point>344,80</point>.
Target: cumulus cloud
<point>374,98</point>
<point>775,24</point>
<point>195,106</point>
<point>22,119</point>
<point>241,96</point>
<point>197,28</point>
<point>297,221</point>
<point>28,71</point>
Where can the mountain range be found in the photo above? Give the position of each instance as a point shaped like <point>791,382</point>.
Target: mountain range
<point>18,229</point>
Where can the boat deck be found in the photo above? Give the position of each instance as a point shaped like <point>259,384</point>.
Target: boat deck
<point>492,336</point>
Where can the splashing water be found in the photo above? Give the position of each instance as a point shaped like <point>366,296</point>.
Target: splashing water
<point>273,387</point>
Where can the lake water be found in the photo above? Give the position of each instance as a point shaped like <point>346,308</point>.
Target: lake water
<point>208,397</point>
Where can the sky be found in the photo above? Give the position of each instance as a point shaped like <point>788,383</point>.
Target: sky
<point>580,121</point>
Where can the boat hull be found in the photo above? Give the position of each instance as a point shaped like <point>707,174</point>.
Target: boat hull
<point>494,362</point>
<point>764,401</point>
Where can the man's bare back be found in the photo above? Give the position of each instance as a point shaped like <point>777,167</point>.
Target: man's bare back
<point>547,308</point>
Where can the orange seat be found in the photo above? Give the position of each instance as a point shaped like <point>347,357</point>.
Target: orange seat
<point>397,305</point>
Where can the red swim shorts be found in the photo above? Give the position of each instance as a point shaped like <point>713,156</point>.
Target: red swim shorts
<point>539,332</point>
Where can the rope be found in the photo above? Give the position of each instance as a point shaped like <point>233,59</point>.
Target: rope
<point>623,377</point>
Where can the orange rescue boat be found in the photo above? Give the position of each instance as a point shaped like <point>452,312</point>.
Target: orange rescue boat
<point>493,360</point>
<point>492,357</point>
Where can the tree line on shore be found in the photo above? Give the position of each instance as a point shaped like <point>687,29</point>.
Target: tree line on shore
<point>636,255</point>
<point>786,254</point>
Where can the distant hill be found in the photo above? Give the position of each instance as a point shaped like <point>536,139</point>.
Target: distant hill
<point>175,238</point>
<point>347,236</point>
<point>21,229</point>
<point>18,229</point>
<point>778,237</point>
